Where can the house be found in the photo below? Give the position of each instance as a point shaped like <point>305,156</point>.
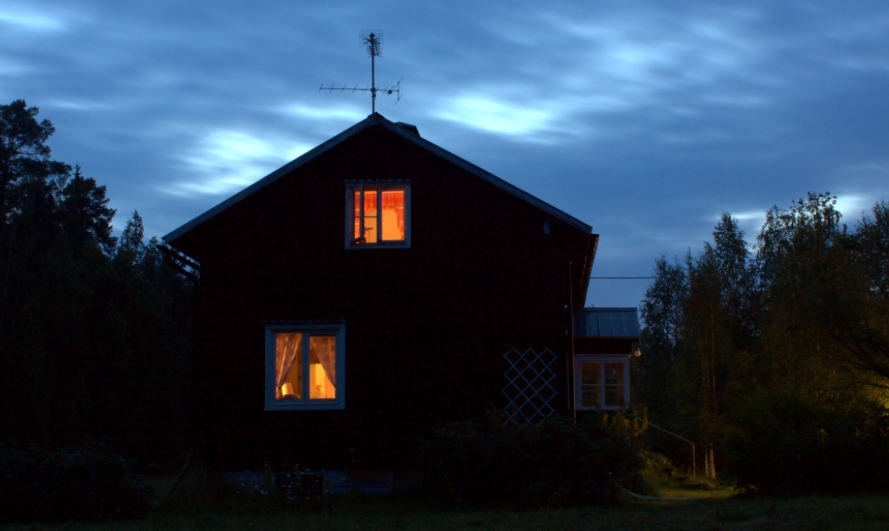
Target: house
<point>378,285</point>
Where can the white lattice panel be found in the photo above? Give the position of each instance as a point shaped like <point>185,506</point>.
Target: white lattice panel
<point>528,390</point>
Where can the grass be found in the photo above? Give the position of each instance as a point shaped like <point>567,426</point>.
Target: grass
<point>190,509</point>
<point>862,513</point>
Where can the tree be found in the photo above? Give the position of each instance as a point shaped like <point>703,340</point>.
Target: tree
<point>809,317</point>
<point>89,331</point>
<point>662,314</point>
<point>23,150</point>
<point>823,296</point>
<point>84,213</point>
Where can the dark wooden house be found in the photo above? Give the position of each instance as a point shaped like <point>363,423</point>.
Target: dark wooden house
<point>379,285</point>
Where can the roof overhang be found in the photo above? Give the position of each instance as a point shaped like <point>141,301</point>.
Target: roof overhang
<point>618,323</point>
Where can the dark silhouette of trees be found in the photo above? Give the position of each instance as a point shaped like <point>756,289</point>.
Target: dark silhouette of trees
<point>806,315</point>
<point>94,333</point>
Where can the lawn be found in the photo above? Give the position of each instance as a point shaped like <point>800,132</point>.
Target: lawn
<point>717,512</point>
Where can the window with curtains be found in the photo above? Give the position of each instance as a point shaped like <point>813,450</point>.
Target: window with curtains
<point>305,367</point>
<point>378,214</point>
<point>601,381</point>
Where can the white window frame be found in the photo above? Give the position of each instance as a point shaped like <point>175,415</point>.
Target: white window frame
<point>381,186</point>
<point>601,360</point>
<point>336,329</point>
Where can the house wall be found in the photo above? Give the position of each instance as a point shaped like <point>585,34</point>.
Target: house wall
<point>426,327</point>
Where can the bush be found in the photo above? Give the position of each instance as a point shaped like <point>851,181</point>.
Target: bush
<point>87,481</point>
<point>787,442</point>
<point>552,463</point>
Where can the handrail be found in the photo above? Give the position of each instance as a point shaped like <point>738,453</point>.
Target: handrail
<point>693,464</point>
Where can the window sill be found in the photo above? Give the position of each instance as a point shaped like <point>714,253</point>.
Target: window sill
<point>298,405</point>
<point>385,245</point>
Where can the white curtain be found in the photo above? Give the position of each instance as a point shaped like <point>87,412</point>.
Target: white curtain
<point>288,351</point>
<point>325,348</point>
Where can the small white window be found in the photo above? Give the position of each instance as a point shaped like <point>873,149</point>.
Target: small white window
<point>305,367</point>
<point>601,381</point>
<point>378,215</point>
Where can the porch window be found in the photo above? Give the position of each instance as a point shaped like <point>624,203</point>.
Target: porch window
<point>378,215</point>
<point>305,367</point>
<point>601,381</point>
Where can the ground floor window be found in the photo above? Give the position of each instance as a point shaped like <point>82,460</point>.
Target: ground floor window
<point>305,367</point>
<point>601,381</point>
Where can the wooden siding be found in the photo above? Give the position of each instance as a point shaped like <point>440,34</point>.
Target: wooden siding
<point>426,327</point>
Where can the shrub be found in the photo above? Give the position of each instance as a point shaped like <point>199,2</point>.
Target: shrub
<point>86,481</point>
<point>555,462</point>
<point>788,442</point>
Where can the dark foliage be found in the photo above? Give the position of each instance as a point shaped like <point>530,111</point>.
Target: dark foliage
<point>86,481</point>
<point>553,463</point>
<point>787,442</point>
<point>777,365</point>
<point>94,336</point>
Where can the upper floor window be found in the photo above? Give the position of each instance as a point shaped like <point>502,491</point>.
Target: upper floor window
<point>378,214</point>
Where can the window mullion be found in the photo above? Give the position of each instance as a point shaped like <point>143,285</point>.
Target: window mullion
<point>602,384</point>
<point>380,216</point>
<point>361,215</point>
<point>305,367</point>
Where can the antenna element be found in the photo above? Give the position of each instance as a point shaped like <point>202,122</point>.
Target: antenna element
<point>372,41</point>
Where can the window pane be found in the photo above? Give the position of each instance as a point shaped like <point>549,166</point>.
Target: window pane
<point>614,373</point>
<point>589,373</point>
<point>393,215</point>
<point>589,388</point>
<point>288,366</point>
<point>589,395</point>
<point>370,216</point>
<point>614,395</point>
<point>322,367</point>
<point>614,384</point>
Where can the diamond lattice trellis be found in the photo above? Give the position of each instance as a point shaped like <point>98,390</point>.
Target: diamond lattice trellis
<point>528,391</point>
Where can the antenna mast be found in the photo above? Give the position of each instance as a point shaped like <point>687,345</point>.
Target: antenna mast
<point>374,45</point>
<point>372,41</point>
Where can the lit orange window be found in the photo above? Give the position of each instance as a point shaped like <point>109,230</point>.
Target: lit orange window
<point>304,367</point>
<point>379,215</point>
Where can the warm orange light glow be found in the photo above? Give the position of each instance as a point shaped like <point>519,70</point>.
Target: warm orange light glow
<point>383,216</point>
<point>393,215</point>
<point>322,367</point>
<point>288,366</point>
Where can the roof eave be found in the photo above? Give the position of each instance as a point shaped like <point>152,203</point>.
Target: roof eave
<point>305,158</point>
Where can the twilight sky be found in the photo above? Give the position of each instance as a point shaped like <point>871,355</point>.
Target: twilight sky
<point>645,119</point>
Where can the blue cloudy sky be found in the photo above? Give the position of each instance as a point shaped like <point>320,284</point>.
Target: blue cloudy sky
<point>645,119</point>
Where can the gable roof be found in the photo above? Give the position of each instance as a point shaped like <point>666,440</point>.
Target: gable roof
<point>406,131</point>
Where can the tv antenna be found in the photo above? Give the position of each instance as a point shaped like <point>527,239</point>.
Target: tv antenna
<point>372,41</point>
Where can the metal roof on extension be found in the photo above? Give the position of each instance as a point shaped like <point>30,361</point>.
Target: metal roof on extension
<point>405,131</point>
<point>606,322</point>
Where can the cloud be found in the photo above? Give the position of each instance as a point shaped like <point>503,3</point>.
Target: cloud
<point>79,105</point>
<point>483,113</point>
<point>229,160</point>
<point>307,112</point>
<point>26,19</point>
